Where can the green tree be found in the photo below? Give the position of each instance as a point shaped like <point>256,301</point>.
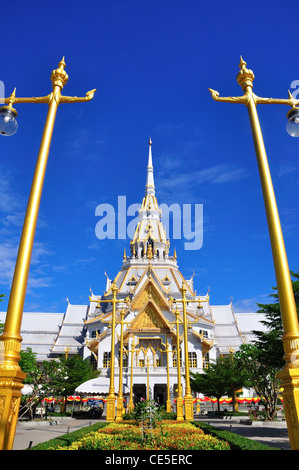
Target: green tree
<point>224,377</point>
<point>44,380</point>
<point>270,342</point>
<point>262,377</point>
<point>29,365</point>
<point>76,371</point>
<point>263,358</point>
<point>210,383</point>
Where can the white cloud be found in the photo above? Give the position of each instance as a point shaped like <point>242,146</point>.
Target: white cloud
<point>250,304</point>
<point>286,170</point>
<point>172,178</point>
<point>85,144</point>
<point>8,253</point>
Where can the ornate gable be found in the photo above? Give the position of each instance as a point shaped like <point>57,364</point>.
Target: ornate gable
<point>150,291</point>
<point>150,318</point>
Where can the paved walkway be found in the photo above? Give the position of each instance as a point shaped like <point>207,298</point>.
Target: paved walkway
<point>274,434</point>
<point>35,432</point>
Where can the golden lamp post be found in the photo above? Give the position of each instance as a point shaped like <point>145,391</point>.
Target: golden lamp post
<point>120,401</point>
<point>167,350</point>
<point>188,398</point>
<point>179,398</point>
<point>11,376</point>
<point>290,372</point>
<point>110,415</point>
<point>147,388</point>
<point>131,401</point>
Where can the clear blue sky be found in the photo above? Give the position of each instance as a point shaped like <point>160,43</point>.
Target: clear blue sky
<point>152,63</point>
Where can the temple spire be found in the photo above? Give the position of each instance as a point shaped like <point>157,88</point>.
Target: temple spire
<point>150,185</point>
<point>150,239</point>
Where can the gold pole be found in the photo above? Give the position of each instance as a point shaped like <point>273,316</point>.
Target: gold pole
<point>189,415</point>
<point>131,402</point>
<point>168,401</point>
<point>179,398</point>
<point>290,372</point>
<point>11,376</point>
<point>147,390</point>
<point>120,402</point>
<point>189,412</point>
<point>110,416</point>
<point>111,397</point>
<point>67,350</point>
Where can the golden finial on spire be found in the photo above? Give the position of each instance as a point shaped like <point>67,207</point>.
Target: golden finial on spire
<point>245,76</point>
<point>59,77</point>
<point>62,63</point>
<point>150,141</point>
<point>242,63</point>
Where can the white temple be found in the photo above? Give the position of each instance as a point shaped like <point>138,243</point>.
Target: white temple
<point>148,285</point>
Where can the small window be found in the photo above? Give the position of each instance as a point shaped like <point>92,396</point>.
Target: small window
<point>94,333</point>
<point>125,359</point>
<point>192,359</point>
<point>174,358</point>
<point>205,361</point>
<point>93,362</point>
<point>204,333</point>
<point>107,359</point>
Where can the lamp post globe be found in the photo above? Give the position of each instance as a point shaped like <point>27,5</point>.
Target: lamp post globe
<point>8,121</point>
<point>293,122</point>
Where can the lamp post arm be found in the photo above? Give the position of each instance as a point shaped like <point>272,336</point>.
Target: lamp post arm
<point>248,95</point>
<point>229,99</point>
<point>290,101</point>
<point>12,99</point>
<point>76,99</point>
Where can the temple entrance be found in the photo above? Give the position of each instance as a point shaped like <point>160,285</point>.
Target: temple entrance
<point>139,391</point>
<point>160,394</point>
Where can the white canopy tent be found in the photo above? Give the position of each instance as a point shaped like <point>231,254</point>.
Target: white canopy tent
<point>95,387</point>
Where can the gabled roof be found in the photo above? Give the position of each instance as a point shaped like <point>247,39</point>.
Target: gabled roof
<point>147,291</point>
<point>150,318</point>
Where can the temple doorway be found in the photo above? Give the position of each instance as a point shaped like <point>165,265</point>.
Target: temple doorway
<point>160,394</point>
<point>139,391</point>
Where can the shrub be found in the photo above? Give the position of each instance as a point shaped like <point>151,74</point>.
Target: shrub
<point>166,436</point>
<point>127,436</point>
<point>147,412</point>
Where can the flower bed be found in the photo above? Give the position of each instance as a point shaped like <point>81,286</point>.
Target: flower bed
<point>166,436</point>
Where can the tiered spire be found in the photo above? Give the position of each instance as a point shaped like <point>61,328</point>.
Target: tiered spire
<point>150,185</point>
<point>150,237</point>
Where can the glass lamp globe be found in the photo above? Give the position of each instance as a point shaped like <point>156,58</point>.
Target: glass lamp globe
<point>8,122</point>
<point>293,122</point>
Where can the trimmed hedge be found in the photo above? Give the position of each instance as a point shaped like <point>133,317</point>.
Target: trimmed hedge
<point>235,441</point>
